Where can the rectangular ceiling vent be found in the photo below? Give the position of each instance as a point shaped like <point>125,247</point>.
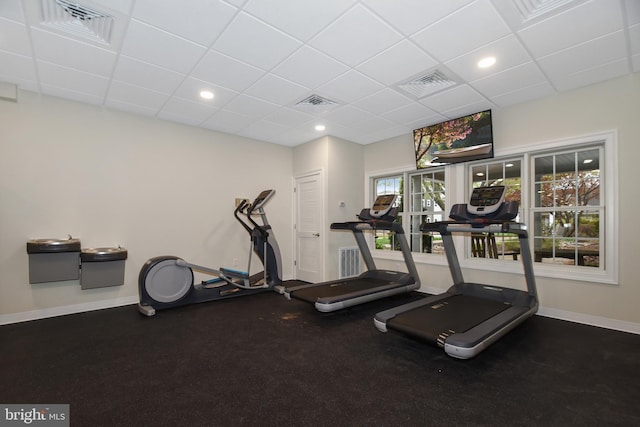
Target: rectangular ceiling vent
<point>315,101</point>
<point>428,84</point>
<point>532,9</point>
<point>77,19</point>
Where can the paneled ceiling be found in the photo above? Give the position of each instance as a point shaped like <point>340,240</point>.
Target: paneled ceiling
<point>368,69</point>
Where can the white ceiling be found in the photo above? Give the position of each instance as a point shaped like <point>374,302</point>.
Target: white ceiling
<point>260,57</point>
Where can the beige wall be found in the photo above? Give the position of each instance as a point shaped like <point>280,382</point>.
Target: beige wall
<point>341,163</point>
<point>111,178</point>
<point>602,107</point>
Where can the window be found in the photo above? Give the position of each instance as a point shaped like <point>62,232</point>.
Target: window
<point>508,173</point>
<point>427,203</point>
<point>567,195</point>
<point>385,239</point>
<point>567,208</point>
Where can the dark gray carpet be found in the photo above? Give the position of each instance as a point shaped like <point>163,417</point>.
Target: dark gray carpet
<point>264,361</point>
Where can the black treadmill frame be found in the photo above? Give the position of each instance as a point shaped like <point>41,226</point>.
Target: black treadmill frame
<point>521,304</point>
<point>390,282</point>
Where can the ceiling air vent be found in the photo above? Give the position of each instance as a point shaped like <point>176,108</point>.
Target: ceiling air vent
<point>77,19</point>
<point>314,101</point>
<point>428,84</point>
<point>532,9</point>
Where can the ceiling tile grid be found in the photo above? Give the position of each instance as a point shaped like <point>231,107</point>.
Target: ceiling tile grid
<point>259,59</point>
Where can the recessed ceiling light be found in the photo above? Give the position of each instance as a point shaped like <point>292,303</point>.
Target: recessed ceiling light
<point>587,161</point>
<point>206,94</point>
<point>509,165</point>
<point>487,62</point>
<point>320,128</point>
<point>480,174</point>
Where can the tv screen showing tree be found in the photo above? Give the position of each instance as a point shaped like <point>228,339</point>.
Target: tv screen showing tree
<point>458,140</point>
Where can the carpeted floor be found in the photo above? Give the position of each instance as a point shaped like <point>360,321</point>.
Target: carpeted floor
<point>264,361</point>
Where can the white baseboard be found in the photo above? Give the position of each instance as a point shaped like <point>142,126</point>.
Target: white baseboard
<point>26,316</point>
<point>586,319</point>
<point>602,322</point>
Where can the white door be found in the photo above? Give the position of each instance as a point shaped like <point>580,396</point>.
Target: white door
<point>309,229</point>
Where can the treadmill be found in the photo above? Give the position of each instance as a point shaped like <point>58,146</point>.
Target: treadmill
<point>374,283</point>
<point>469,317</point>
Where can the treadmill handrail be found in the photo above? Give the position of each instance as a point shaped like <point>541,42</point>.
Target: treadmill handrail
<point>473,226</point>
<point>368,225</point>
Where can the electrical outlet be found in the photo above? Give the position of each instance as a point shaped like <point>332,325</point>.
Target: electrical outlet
<point>238,201</point>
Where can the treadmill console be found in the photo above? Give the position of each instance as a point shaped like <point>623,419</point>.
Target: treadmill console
<point>382,205</point>
<point>486,200</point>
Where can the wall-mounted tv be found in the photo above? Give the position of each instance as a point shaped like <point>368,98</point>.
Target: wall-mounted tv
<point>458,140</point>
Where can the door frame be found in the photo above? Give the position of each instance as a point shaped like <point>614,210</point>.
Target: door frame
<point>321,176</point>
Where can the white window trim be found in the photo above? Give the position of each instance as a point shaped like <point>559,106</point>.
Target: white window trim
<point>457,183</point>
<point>607,275</point>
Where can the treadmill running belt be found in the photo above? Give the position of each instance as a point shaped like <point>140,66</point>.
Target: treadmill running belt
<point>334,290</point>
<point>457,313</point>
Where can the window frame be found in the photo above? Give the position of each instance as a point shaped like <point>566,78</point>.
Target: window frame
<point>458,187</point>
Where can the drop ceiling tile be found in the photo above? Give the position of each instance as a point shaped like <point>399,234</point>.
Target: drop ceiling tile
<point>508,52</point>
<point>289,117</point>
<point>309,67</point>
<point>134,95</point>
<point>167,51</point>
<point>585,56</point>
<point>77,81</point>
<point>413,15</point>
<point>347,115</point>
<point>274,89</point>
<point>12,9</point>
<point>409,114</point>
<point>251,107</point>
<point>130,108</point>
<point>228,121</point>
<point>121,6</point>
<point>252,41</point>
<point>383,101</point>
<point>372,124</point>
<point>407,59</point>
<point>471,108</point>
<point>355,36</point>
<point>300,19</point>
<point>587,21</point>
<point>202,20</point>
<point>226,72</point>
<point>510,80</point>
<point>450,99</point>
<point>468,28</point>
<point>17,69</point>
<point>349,87</point>
<point>592,75</point>
<point>14,37</point>
<point>60,92</point>
<point>190,113</point>
<point>138,73</point>
<point>524,94</point>
<point>72,54</point>
<point>190,90</point>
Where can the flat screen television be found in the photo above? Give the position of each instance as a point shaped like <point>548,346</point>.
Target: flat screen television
<point>458,140</point>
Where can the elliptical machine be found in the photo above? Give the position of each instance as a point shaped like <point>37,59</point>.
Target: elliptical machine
<point>167,281</point>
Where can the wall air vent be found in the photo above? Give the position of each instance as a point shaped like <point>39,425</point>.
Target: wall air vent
<point>315,100</point>
<point>427,84</point>
<point>77,19</point>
